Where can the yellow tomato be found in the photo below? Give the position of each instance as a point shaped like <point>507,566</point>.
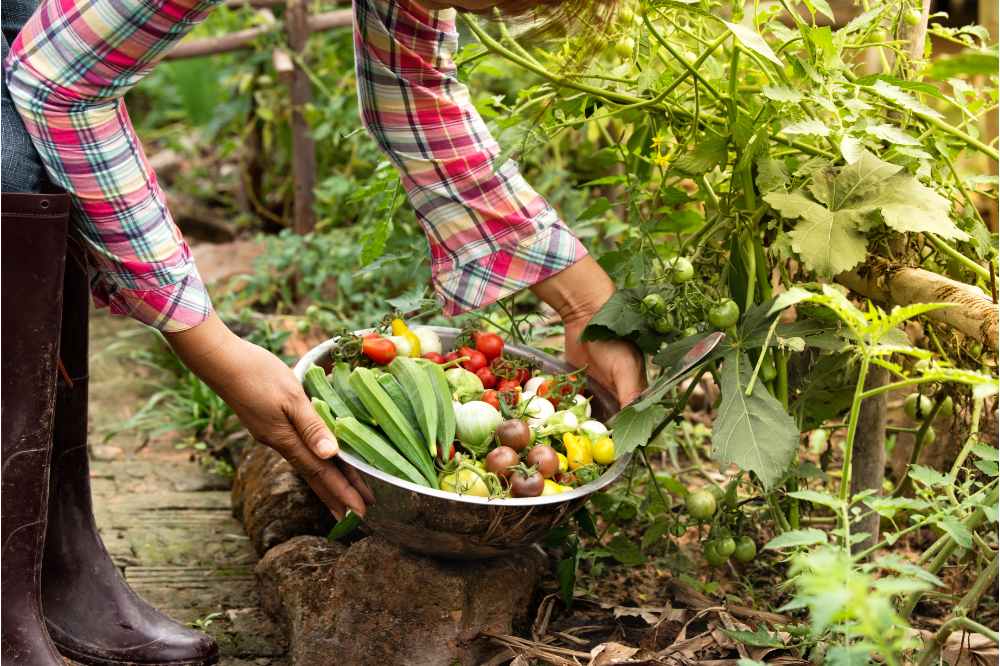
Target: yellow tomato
<point>603,450</point>
<point>553,488</point>
<point>578,452</point>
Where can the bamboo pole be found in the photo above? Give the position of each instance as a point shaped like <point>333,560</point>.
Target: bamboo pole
<point>303,146</point>
<point>245,39</point>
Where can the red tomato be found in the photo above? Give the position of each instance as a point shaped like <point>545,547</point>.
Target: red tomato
<point>491,397</point>
<point>511,397</point>
<point>476,359</point>
<point>451,356</point>
<point>379,350</point>
<point>487,377</point>
<point>523,375</point>
<point>490,344</point>
<point>508,385</point>
<point>543,388</point>
<point>435,357</point>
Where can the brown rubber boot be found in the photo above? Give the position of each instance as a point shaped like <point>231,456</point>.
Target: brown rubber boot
<point>92,615</point>
<point>33,240</point>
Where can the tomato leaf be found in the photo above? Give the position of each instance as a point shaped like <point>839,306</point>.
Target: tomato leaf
<point>754,432</point>
<point>632,428</point>
<point>806,537</point>
<point>751,39</point>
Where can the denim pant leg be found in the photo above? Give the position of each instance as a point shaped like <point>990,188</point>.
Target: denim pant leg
<point>22,170</point>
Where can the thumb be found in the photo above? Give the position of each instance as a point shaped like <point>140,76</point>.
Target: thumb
<point>313,431</point>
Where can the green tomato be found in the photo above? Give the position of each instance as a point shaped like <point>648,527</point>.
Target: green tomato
<point>976,349</point>
<point>718,492</point>
<point>922,366</point>
<point>312,311</point>
<point>918,407</point>
<point>689,331</point>
<point>929,437</point>
<point>678,530</point>
<point>878,35</point>
<point>700,505</point>
<point>746,550</point>
<point>625,47</point>
<point>725,546</point>
<point>724,314</point>
<point>654,303</point>
<point>303,326</point>
<point>664,324</point>
<point>947,409</point>
<point>712,554</point>
<point>681,270</point>
<point>913,16</point>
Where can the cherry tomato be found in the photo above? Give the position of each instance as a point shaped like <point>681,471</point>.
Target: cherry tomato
<point>725,546</point>
<point>506,385</point>
<point>476,359</point>
<point>713,556</point>
<point>724,314</point>
<point>379,350</point>
<point>700,505</point>
<point>746,549</point>
<point>451,356</point>
<point>918,407</point>
<point>947,408</point>
<point>523,375</point>
<point>913,16</point>
<point>654,303</point>
<point>490,345</point>
<point>434,357</point>
<point>491,397</point>
<point>877,36</point>
<point>487,377</point>
<point>544,459</point>
<point>603,450</point>
<point>625,47</point>
<point>681,270</point>
<point>526,486</point>
<point>664,324</point>
<point>511,396</point>
<point>515,434</point>
<point>928,437</point>
<point>500,460</point>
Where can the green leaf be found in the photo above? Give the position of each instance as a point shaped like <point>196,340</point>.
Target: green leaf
<point>598,208</point>
<point>752,40</point>
<point>808,127</point>
<point>907,205</point>
<point>861,178</point>
<point>633,428</point>
<point>566,572</point>
<point>655,532</point>
<point>772,175</point>
<point>969,63</point>
<point>888,507</point>
<point>828,243</point>
<point>710,153</point>
<point>618,318</point>
<point>898,564</point>
<point>903,99</point>
<point>816,497</point>
<point>959,532</point>
<point>782,94</point>
<point>928,476</point>
<point>892,134</point>
<point>759,638</point>
<point>821,6</point>
<point>625,551</point>
<point>374,239</point>
<point>754,432</point>
<point>806,537</point>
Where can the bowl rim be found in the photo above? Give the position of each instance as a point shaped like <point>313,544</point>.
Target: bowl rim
<point>610,475</point>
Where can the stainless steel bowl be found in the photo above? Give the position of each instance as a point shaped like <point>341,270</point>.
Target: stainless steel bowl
<point>447,525</point>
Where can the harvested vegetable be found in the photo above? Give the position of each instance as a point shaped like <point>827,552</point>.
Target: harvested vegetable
<point>464,385</point>
<point>526,483</point>
<point>401,330</point>
<point>514,434</point>
<point>475,423</point>
<point>502,461</point>
<point>544,459</point>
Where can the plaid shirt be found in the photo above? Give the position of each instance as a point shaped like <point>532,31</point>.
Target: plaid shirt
<point>490,234</point>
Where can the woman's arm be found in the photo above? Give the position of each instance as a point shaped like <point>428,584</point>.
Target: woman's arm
<point>67,72</point>
<point>490,234</point>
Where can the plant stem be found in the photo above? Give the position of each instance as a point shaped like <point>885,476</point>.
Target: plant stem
<point>977,411</point>
<point>918,447</point>
<point>984,581</point>
<point>952,253</point>
<point>859,390</point>
<point>652,479</point>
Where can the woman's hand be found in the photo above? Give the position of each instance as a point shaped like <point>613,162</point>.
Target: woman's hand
<point>275,410</point>
<point>577,293</point>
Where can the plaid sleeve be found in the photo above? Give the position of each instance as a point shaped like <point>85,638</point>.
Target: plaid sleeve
<point>490,234</point>
<point>67,73</point>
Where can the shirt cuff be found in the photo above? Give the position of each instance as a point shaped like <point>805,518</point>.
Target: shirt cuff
<point>489,278</point>
<point>171,308</point>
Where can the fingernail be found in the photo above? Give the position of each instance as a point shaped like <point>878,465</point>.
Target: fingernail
<point>326,448</point>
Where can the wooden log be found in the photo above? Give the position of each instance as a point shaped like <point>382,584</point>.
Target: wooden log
<point>303,146</point>
<point>974,314</point>
<point>245,39</point>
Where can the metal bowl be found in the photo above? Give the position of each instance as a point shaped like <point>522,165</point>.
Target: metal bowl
<point>443,524</point>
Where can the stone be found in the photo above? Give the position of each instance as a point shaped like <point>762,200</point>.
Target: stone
<point>106,452</point>
<point>375,604</point>
<point>273,502</point>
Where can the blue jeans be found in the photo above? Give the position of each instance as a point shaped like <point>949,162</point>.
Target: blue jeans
<point>22,169</point>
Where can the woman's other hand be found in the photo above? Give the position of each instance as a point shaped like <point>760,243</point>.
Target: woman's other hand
<point>577,293</point>
<point>273,407</point>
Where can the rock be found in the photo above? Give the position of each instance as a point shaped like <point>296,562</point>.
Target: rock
<point>375,604</point>
<point>105,452</point>
<point>220,262</point>
<point>273,503</point>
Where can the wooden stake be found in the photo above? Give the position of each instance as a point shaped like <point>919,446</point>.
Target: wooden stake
<point>303,146</point>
